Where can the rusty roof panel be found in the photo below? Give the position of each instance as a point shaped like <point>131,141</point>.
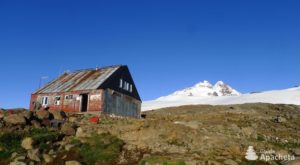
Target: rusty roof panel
<point>79,80</point>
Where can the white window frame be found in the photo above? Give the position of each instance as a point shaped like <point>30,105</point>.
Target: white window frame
<point>121,83</point>
<point>45,100</point>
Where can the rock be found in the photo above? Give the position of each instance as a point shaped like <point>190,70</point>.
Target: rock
<point>17,163</point>
<point>27,143</point>
<point>68,147</point>
<point>15,119</point>
<point>72,162</point>
<point>80,132</point>
<point>293,162</point>
<point>296,152</point>
<point>73,119</point>
<point>2,124</point>
<point>27,114</point>
<point>42,114</point>
<point>212,162</point>
<point>68,129</point>
<point>17,159</point>
<point>230,162</point>
<point>280,119</point>
<point>47,158</point>
<point>1,115</point>
<point>282,153</point>
<point>34,155</point>
<point>51,152</point>
<point>190,162</point>
<point>249,132</point>
<point>235,128</point>
<point>14,155</point>
<point>57,114</point>
<point>35,124</point>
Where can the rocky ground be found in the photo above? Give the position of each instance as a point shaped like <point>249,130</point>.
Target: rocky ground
<point>180,135</point>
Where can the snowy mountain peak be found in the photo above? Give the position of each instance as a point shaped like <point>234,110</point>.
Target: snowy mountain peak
<point>205,83</point>
<point>204,89</point>
<point>220,83</point>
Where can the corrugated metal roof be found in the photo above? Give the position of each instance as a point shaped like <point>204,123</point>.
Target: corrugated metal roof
<point>79,80</point>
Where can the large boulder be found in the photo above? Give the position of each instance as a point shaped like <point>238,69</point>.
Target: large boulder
<point>15,119</point>
<point>68,129</point>
<point>34,155</point>
<point>26,114</point>
<point>58,114</point>
<point>27,143</point>
<point>42,114</point>
<point>47,158</point>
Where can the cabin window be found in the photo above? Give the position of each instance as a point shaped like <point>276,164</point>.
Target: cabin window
<point>125,85</point>
<point>57,100</point>
<point>121,83</point>
<point>45,100</point>
<point>68,97</point>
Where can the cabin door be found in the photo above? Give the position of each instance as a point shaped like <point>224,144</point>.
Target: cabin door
<point>84,102</point>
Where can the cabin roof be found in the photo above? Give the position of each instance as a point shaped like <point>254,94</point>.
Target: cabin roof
<point>86,79</point>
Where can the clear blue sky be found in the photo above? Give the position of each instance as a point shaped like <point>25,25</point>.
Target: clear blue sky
<point>253,45</point>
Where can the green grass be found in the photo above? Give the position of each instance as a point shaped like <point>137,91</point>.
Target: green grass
<point>159,160</point>
<point>286,145</point>
<point>260,137</point>
<point>100,148</point>
<point>43,135</point>
<point>11,141</point>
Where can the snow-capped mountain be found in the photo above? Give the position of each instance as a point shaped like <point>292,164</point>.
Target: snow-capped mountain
<point>204,89</point>
<point>285,96</point>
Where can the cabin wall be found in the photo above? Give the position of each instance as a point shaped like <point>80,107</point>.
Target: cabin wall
<point>94,104</point>
<point>120,104</point>
<point>113,82</point>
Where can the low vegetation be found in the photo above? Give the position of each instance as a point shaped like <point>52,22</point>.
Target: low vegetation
<point>11,141</point>
<point>99,148</point>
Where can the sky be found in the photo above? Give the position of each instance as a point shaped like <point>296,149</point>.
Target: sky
<point>252,45</point>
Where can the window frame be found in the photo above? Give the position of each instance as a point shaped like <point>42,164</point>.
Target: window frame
<point>56,101</point>
<point>45,100</point>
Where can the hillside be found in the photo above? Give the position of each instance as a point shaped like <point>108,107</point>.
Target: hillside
<point>185,135</point>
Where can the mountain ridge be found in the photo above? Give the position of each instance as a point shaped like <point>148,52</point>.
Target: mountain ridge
<point>284,96</point>
<point>204,89</point>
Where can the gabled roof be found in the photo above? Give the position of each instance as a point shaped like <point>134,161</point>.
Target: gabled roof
<point>79,80</point>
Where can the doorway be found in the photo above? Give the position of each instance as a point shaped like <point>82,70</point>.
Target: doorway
<point>84,102</point>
